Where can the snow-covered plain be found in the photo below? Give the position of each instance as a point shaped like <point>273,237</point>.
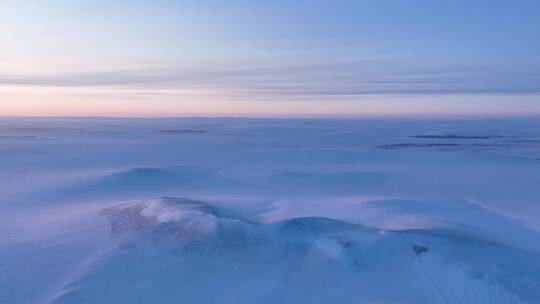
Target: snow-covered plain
<point>269,211</point>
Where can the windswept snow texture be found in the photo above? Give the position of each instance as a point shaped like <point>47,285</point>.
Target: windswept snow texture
<point>269,211</point>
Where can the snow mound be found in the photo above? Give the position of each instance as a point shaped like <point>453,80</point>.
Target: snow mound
<point>155,179</point>
<point>209,254</point>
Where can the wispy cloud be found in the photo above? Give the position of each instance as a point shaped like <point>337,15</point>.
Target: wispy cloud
<point>352,78</point>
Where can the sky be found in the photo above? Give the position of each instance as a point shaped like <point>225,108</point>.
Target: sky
<point>269,58</point>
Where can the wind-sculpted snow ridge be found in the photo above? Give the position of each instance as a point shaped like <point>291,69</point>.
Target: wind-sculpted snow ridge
<point>187,218</point>
<point>182,250</point>
<point>155,179</point>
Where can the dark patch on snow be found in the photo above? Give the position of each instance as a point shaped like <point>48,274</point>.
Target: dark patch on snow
<point>525,141</point>
<point>181,131</point>
<point>455,136</point>
<point>418,249</point>
<point>490,145</point>
<point>16,136</point>
<point>412,145</point>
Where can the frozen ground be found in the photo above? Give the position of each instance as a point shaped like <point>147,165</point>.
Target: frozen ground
<point>269,211</point>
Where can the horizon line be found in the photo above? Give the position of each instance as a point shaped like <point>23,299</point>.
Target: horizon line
<point>307,117</point>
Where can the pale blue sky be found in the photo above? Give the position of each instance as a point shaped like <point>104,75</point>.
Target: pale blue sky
<point>268,58</point>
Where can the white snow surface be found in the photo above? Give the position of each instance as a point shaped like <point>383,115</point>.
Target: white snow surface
<point>238,210</point>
